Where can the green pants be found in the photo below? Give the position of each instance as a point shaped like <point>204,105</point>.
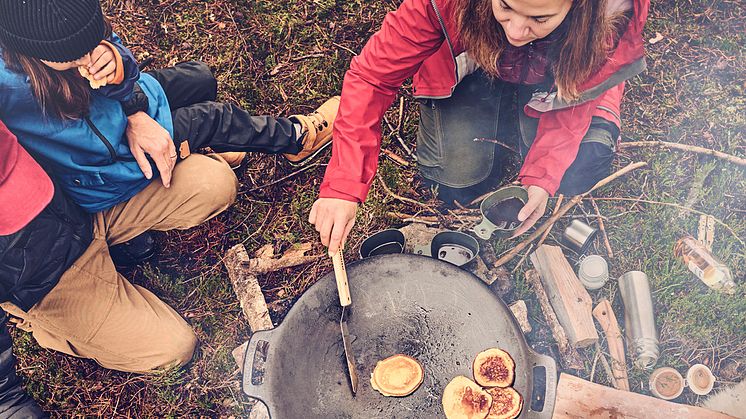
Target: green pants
<point>482,108</point>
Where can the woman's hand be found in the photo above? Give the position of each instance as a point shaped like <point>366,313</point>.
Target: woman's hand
<point>533,210</point>
<point>333,219</point>
<point>146,136</point>
<point>103,65</point>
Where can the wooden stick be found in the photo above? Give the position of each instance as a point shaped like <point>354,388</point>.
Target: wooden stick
<point>570,357</point>
<point>297,172</point>
<point>607,319</point>
<point>520,246</point>
<point>671,204</point>
<point>247,289</point>
<point>399,138</point>
<point>395,157</point>
<point>549,229</point>
<point>603,230</point>
<point>293,257</point>
<point>402,198</point>
<point>684,147</point>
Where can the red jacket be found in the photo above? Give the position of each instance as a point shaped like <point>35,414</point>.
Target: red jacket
<point>420,39</point>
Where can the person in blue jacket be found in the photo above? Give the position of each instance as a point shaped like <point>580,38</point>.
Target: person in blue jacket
<point>105,144</point>
<point>105,132</point>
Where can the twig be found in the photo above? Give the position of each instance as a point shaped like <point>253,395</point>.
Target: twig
<point>538,232</point>
<point>399,138</point>
<point>605,363</point>
<point>409,218</point>
<point>544,236</point>
<point>280,66</point>
<point>602,228</point>
<point>495,141</point>
<point>401,115</point>
<point>402,198</point>
<point>684,147</point>
<point>681,207</point>
<point>523,258</point>
<point>394,157</point>
<point>297,172</point>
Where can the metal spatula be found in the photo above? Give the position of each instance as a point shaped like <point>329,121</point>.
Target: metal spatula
<point>343,287</point>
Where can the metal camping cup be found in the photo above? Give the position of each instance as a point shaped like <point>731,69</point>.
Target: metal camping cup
<point>454,247</point>
<point>593,272</point>
<point>382,243</point>
<point>639,318</point>
<point>500,212</point>
<point>579,236</point>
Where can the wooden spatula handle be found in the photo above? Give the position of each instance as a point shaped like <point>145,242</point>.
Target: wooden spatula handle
<point>340,274</point>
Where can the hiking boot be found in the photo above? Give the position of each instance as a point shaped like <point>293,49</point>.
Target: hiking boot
<point>135,251</point>
<point>233,158</point>
<point>316,131</point>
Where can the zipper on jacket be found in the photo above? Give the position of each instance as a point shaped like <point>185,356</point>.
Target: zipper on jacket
<point>527,63</point>
<point>448,40</point>
<point>105,141</point>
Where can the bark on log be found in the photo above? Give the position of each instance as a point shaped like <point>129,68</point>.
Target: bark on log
<point>569,356</point>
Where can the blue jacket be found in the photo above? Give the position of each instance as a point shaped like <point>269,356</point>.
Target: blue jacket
<point>90,157</point>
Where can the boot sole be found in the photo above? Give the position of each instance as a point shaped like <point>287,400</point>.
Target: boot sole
<point>307,159</point>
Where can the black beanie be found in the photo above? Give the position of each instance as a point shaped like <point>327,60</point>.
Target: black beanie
<point>51,30</point>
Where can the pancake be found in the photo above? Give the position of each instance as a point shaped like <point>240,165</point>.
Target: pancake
<point>398,376</point>
<point>506,403</point>
<point>464,399</point>
<point>494,368</point>
<point>95,84</point>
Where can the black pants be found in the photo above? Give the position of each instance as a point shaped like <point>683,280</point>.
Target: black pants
<point>191,90</point>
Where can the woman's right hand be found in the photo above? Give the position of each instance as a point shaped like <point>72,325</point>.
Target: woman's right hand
<point>333,219</point>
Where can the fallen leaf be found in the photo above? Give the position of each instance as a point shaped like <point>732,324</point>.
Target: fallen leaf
<point>657,38</point>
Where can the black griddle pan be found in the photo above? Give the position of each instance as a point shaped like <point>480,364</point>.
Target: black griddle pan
<point>428,309</point>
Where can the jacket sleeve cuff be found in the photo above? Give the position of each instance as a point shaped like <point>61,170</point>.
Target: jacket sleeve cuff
<point>344,189</point>
<point>544,183</point>
<point>119,72</point>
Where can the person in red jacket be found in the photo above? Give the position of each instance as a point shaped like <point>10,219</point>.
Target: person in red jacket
<point>542,77</point>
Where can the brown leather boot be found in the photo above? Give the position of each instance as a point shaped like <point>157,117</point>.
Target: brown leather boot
<point>317,131</point>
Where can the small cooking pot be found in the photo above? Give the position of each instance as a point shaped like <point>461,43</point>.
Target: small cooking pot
<point>384,242</point>
<point>500,212</point>
<point>454,247</point>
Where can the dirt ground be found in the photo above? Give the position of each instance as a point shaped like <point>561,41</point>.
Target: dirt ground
<point>284,57</point>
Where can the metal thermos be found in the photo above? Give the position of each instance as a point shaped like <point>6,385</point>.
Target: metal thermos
<point>639,319</point>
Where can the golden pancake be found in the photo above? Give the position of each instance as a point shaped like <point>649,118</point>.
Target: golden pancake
<point>494,368</point>
<point>95,84</point>
<point>398,376</point>
<point>506,403</point>
<point>464,399</point>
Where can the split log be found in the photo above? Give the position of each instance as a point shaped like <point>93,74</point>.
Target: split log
<point>569,356</point>
<point>570,300</point>
<point>578,398</point>
<point>266,262</point>
<point>606,318</point>
<point>520,311</point>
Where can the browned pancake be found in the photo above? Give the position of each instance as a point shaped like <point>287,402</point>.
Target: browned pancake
<point>464,399</point>
<point>398,376</point>
<point>494,368</point>
<point>506,403</point>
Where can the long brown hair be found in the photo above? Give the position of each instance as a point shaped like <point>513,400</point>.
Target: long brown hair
<point>62,94</point>
<point>577,57</point>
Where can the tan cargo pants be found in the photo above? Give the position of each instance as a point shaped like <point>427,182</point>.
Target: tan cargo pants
<point>94,312</point>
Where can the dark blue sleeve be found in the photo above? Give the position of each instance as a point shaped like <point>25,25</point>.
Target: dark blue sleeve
<point>123,91</point>
<point>14,401</point>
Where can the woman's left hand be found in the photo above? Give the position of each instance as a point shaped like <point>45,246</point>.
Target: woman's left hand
<point>103,64</point>
<point>533,210</point>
